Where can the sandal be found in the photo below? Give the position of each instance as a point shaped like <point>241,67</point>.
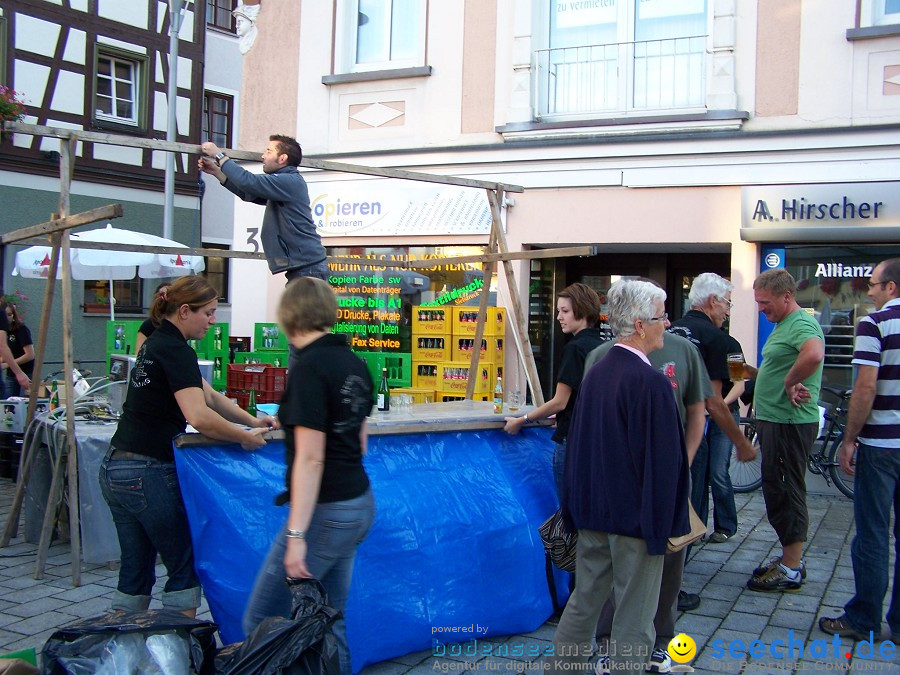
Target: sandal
<point>839,625</point>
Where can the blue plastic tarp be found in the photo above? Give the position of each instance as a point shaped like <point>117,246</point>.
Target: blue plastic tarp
<point>453,555</point>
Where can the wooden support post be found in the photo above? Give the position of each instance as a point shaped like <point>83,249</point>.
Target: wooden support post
<point>520,321</point>
<point>487,271</point>
<point>70,454</point>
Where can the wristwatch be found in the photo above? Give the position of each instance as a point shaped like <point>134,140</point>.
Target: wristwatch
<point>219,157</point>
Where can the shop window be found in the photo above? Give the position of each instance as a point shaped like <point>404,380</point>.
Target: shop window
<point>217,118</point>
<point>379,35</point>
<point>128,294</point>
<point>119,88</point>
<point>636,56</point>
<point>217,269</point>
<point>832,285</point>
<point>219,15</point>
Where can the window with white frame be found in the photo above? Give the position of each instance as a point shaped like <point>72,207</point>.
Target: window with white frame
<point>879,13</point>
<point>118,87</point>
<point>379,35</point>
<point>621,57</point>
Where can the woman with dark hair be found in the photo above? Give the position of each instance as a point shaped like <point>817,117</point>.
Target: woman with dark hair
<point>148,326</point>
<point>324,410</point>
<point>138,477</point>
<point>577,310</point>
<point>20,344</point>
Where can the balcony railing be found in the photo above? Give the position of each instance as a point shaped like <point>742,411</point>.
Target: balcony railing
<point>620,78</point>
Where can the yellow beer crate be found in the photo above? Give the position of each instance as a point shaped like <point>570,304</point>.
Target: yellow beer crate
<point>465,321</point>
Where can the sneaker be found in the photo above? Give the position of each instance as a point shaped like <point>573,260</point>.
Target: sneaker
<point>659,662</point>
<point>839,625</point>
<point>775,579</point>
<point>603,665</point>
<point>687,601</point>
<point>718,537</point>
<point>762,569</point>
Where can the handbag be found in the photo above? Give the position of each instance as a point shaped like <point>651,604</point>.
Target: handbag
<point>698,529</point>
<point>559,542</point>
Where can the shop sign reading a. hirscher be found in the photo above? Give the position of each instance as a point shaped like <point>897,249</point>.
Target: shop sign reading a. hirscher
<point>821,204</point>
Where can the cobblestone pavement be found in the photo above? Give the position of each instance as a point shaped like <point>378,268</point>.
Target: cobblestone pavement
<point>30,610</point>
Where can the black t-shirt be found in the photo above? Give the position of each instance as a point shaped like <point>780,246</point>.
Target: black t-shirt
<point>571,372</point>
<point>17,340</point>
<point>329,389</point>
<point>147,328</point>
<point>151,417</point>
<point>714,345</point>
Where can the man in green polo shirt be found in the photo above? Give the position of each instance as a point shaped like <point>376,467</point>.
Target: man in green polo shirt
<point>787,413</point>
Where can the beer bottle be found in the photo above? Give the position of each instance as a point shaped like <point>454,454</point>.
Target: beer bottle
<point>251,407</point>
<point>498,397</point>
<point>384,393</point>
<point>54,396</point>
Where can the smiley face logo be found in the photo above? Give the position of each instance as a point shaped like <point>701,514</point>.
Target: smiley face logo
<point>682,648</point>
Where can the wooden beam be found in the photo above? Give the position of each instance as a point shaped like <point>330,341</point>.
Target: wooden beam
<point>520,322</point>
<point>244,155</point>
<point>487,272</point>
<point>60,224</point>
<point>568,251</point>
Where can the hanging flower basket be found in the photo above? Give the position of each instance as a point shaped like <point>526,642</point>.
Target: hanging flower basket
<point>12,109</point>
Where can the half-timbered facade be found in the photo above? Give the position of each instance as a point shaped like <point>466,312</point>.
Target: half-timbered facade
<point>103,65</point>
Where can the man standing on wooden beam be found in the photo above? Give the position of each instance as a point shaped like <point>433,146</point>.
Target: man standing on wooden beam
<point>289,237</point>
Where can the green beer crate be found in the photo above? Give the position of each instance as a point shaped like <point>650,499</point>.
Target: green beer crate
<point>273,358</point>
<point>398,364</point>
<point>268,337</point>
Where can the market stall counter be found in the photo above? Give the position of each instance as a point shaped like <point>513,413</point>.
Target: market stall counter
<point>454,554</point>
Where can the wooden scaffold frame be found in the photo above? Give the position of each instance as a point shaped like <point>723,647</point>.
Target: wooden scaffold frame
<point>57,231</point>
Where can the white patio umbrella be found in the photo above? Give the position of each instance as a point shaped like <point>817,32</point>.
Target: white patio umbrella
<point>34,262</point>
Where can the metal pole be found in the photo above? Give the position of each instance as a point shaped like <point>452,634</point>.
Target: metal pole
<point>175,9</point>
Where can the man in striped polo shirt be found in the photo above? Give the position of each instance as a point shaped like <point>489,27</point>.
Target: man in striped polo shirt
<point>873,436</point>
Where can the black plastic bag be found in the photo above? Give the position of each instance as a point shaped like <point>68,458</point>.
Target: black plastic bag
<point>304,643</point>
<point>162,639</point>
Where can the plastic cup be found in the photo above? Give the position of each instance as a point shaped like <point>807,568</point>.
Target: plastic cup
<point>736,367</point>
<point>515,400</point>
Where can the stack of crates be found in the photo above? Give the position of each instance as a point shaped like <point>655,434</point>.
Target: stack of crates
<point>268,381</point>
<point>431,345</point>
<point>214,347</point>
<point>121,337</point>
<point>490,362</point>
<point>270,345</point>
<point>442,343</point>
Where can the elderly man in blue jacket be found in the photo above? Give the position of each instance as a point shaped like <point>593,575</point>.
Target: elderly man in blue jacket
<point>289,236</point>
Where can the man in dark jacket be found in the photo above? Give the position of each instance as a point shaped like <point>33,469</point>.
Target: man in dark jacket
<point>289,236</point>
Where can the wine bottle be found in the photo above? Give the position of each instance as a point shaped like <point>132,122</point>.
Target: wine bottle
<point>54,396</point>
<point>384,393</point>
<point>498,397</point>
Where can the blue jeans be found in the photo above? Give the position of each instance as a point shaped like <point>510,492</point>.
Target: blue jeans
<point>146,505</point>
<point>559,465</point>
<point>710,470</point>
<point>877,492</point>
<point>334,533</point>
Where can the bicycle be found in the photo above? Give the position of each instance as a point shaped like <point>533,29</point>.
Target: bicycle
<point>747,476</point>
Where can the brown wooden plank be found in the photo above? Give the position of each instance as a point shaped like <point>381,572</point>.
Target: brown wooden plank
<point>59,224</point>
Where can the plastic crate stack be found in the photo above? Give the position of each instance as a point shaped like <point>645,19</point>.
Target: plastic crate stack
<point>443,340</point>
<point>268,381</point>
